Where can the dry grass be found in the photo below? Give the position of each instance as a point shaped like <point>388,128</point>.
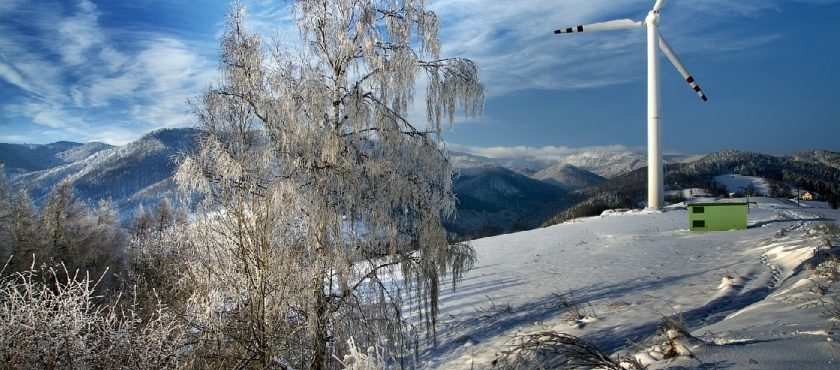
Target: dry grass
<point>554,350</point>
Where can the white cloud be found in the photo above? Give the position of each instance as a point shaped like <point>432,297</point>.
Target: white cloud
<point>270,18</point>
<point>514,45</point>
<point>115,135</point>
<point>80,73</point>
<point>547,152</point>
<point>15,138</point>
<point>12,75</point>
<point>54,118</point>
<point>82,79</point>
<point>79,34</point>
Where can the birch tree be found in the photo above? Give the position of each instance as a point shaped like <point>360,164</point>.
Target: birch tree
<point>323,201</point>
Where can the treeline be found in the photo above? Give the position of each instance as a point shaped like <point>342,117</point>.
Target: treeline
<point>72,291</point>
<point>67,230</point>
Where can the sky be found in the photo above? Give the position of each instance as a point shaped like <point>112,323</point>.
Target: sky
<point>111,71</point>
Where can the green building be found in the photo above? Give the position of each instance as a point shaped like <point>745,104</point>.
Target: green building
<point>718,216</point>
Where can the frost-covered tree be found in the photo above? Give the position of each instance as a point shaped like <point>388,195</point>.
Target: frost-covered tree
<point>26,240</point>
<point>5,217</point>
<point>163,217</point>
<point>142,221</point>
<point>60,218</point>
<point>318,190</point>
<point>81,239</point>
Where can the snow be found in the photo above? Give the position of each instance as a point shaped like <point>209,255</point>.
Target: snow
<point>744,295</point>
<point>738,183</point>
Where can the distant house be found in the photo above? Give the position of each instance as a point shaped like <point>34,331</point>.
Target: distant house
<point>717,216</point>
<point>807,196</point>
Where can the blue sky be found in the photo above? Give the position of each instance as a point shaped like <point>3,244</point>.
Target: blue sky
<point>113,70</point>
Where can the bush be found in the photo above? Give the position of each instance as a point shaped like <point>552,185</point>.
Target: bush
<point>51,319</point>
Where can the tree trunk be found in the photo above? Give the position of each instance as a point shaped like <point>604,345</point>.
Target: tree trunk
<point>319,301</point>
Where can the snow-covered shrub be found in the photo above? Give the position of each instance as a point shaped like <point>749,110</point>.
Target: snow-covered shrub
<point>827,266</point>
<point>677,341</point>
<point>830,229</point>
<point>356,359</point>
<point>575,313</point>
<point>156,266</point>
<point>831,310</point>
<point>554,350</point>
<point>52,319</point>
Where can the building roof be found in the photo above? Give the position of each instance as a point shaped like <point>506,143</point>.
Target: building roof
<point>718,204</point>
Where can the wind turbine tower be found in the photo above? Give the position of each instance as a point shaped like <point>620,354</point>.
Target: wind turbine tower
<point>655,42</point>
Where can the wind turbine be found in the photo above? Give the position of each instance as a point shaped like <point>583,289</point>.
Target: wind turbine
<point>656,186</point>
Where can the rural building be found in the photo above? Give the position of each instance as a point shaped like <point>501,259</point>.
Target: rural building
<point>717,216</point>
<point>807,196</point>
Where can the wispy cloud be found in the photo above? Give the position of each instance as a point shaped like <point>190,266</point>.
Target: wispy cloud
<point>514,45</point>
<point>69,74</point>
<point>80,80</point>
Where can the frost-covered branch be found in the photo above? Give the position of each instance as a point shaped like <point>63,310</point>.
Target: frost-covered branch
<point>294,154</point>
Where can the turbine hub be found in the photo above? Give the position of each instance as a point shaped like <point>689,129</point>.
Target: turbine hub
<point>652,18</point>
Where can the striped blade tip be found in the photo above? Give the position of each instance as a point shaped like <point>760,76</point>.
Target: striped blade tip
<point>569,30</point>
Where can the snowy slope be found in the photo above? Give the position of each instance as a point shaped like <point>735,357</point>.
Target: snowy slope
<point>119,173</point>
<point>739,183</point>
<point>23,158</point>
<point>628,269</point>
<point>568,177</point>
<point>825,157</point>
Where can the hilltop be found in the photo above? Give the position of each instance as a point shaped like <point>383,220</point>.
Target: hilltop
<point>749,299</point>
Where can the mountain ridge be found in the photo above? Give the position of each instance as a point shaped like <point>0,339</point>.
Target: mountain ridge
<point>496,195</point>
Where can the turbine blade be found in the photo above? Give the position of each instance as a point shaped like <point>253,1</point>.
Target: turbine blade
<point>659,5</point>
<point>620,24</point>
<point>680,67</point>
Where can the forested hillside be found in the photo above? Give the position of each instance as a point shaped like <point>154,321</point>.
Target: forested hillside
<point>629,190</point>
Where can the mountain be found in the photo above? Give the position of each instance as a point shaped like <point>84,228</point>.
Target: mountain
<point>568,177</point>
<point>22,158</point>
<point>125,174</point>
<point>494,199</point>
<point>496,195</point>
<point>606,164</point>
<point>828,158</point>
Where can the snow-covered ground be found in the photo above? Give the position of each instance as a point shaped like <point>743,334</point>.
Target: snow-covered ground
<point>745,294</point>
<point>739,183</point>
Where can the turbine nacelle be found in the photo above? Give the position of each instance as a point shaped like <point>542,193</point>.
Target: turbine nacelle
<point>652,18</point>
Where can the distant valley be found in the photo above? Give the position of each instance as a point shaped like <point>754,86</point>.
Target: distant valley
<point>495,195</point>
